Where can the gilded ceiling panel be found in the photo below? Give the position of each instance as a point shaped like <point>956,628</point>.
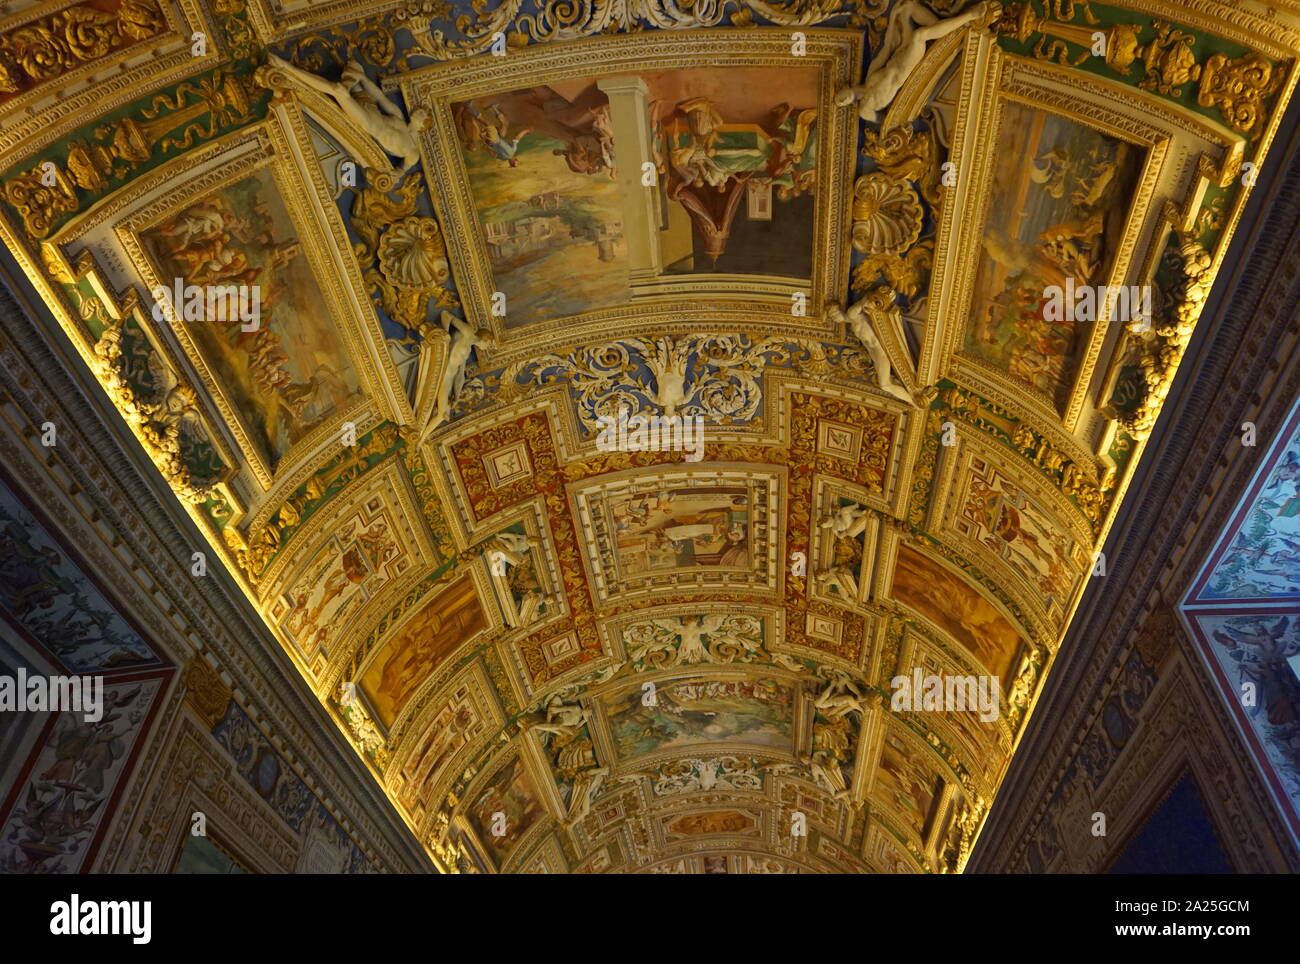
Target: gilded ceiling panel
<point>622,416</point>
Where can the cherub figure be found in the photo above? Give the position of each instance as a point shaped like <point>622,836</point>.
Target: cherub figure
<point>860,325</point>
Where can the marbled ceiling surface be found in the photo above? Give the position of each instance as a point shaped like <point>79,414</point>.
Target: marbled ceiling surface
<point>605,416</point>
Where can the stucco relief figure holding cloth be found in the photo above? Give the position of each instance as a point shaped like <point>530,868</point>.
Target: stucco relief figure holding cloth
<point>912,27</point>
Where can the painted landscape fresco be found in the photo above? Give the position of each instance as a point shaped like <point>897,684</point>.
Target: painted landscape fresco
<point>541,167</point>
<point>293,372</point>
<point>510,792</point>
<point>1057,209</point>
<point>910,788</point>
<point>759,712</point>
<point>734,153</point>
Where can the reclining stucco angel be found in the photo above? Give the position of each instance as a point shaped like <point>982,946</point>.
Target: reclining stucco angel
<point>912,27</point>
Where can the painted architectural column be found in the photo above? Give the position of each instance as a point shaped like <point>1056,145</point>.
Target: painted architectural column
<point>629,116</point>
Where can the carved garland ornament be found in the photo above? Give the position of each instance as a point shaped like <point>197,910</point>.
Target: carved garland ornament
<point>1236,86</point>
<point>46,48</point>
<point>558,20</point>
<point>43,195</point>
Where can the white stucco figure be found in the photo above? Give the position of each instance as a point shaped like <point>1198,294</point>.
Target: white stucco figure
<point>584,794</point>
<point>912,27</point>
<point>841,579</point>
<point>826,773</point>
<point>847,521</point>
<point>860,325</point>
<point>840,698</point>
<point>562,719</point>
<point>374,115</point>
<point>510,548</point>
<point>692,648</point>
<point>667,362</point>
<point>462,340</point>
<point>786,661</point>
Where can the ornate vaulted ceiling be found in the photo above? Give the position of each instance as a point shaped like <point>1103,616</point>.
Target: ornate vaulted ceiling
<point>560,654</point>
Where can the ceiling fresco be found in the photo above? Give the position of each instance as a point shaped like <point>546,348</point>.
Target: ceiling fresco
<point>661,447</point>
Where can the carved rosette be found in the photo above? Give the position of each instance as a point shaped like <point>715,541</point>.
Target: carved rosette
<point>1238,88</point>
<point>206,693</point>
